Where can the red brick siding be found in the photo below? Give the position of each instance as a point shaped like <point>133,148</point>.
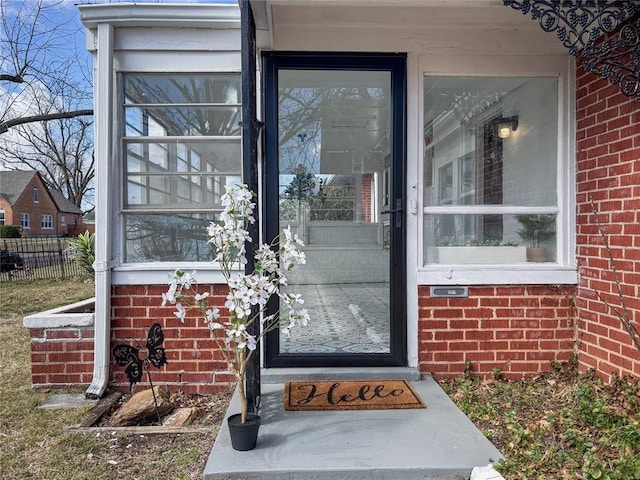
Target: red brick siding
<point>61,357</point>
<point>517,329</point>
<point>608,174</point>
<point>44,206</point>
<point>194,362</point>
<point>367,184</point>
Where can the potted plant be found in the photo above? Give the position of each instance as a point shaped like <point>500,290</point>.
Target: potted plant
<point>247,299</point>
<point>536,229</point>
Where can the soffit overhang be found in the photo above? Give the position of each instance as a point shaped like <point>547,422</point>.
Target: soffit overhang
<point>401,25</point>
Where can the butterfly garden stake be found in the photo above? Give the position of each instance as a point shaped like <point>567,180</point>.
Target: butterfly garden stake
<point>129,356</point>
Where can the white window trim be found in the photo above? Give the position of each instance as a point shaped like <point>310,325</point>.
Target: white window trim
<point>48,222</point>
<point>159,272</point>
<point>27,217</point>
<point>564,270</point>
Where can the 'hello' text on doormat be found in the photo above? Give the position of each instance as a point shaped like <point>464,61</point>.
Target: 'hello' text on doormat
<point>350,395</point>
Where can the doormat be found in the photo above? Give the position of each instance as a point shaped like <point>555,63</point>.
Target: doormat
<point>350,395</point>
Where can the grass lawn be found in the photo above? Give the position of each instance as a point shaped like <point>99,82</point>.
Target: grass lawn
<point>34,443</point>
<point>556,425</point>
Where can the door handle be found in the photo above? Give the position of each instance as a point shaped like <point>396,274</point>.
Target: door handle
<point>398,209</point>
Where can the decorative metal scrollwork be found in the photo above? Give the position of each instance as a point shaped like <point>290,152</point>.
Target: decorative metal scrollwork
<point>579,23</point>
<point>617,59</point>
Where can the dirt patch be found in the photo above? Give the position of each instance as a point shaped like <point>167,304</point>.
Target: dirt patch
<point>211,408</point>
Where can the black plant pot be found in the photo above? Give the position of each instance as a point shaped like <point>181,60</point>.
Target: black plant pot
<point>243,435</point>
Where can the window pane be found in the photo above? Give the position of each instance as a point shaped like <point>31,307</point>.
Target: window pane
<point>490,141</point>
<point>455,239</point>
<point>180,181</point>
<point>178,190</point>
<point>46,222</point>
<point>154,171</point>
<point>182,121</point>
<point>208,156</point>
<point>169,237</point>
<point>182,88</point>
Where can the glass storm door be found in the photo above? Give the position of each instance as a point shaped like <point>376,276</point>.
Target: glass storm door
<point>335,174</point>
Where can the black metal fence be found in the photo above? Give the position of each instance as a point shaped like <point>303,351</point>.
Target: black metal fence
<point>37,259</point>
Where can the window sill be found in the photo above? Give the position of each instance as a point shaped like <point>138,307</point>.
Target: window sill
<point>527,274</point>
<point>158,273</point>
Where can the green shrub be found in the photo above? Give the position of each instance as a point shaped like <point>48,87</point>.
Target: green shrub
<point>10,231</point>
<point>84,249</point>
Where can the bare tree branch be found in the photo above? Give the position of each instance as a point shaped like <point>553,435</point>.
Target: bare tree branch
<point>11,78</point>
<point>5,126</point>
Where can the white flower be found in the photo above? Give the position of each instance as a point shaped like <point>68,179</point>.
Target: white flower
<point>295,298</point>
<point>170,295</point>
<point>184,279</point>
<point>200,296</point>
<point>180,312</point>
<point>299,317</point>
<point>211,314</point>
<point>266,259</point>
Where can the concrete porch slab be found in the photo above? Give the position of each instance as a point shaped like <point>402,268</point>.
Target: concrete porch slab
<point>438,442</point>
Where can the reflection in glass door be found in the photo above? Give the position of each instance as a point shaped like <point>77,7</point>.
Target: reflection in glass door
<point>333,176</point>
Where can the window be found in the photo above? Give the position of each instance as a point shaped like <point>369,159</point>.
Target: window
<point>181,146</point>
<point>36,195</point>
<point>47,222</point>
<point>25,220</point>
<point>63,221</point>
<point>491,168</point>
<point>2,217</point>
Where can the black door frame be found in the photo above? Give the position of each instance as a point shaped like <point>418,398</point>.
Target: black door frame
<point>396,65</point>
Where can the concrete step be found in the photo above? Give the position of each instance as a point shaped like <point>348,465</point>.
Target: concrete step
<point>438,442</point>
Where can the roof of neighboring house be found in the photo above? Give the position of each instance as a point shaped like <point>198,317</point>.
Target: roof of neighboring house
<point>63,204</point>
<point>14,182</point>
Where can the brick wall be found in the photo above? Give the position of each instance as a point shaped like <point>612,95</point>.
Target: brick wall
<point>61,357</point>
<point>367,184</point>
<point>608,174</point>
<point>44,206</point>
<point>194,362</point>
<point>516,329</point>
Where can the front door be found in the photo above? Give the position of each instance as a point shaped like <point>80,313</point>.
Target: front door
<point>334,172</point>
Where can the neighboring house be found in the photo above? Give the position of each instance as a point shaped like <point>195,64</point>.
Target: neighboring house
<point>25,200</point>
<point>430,132</point>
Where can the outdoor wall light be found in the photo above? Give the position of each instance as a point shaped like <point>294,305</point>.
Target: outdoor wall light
<point>506,126</point>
